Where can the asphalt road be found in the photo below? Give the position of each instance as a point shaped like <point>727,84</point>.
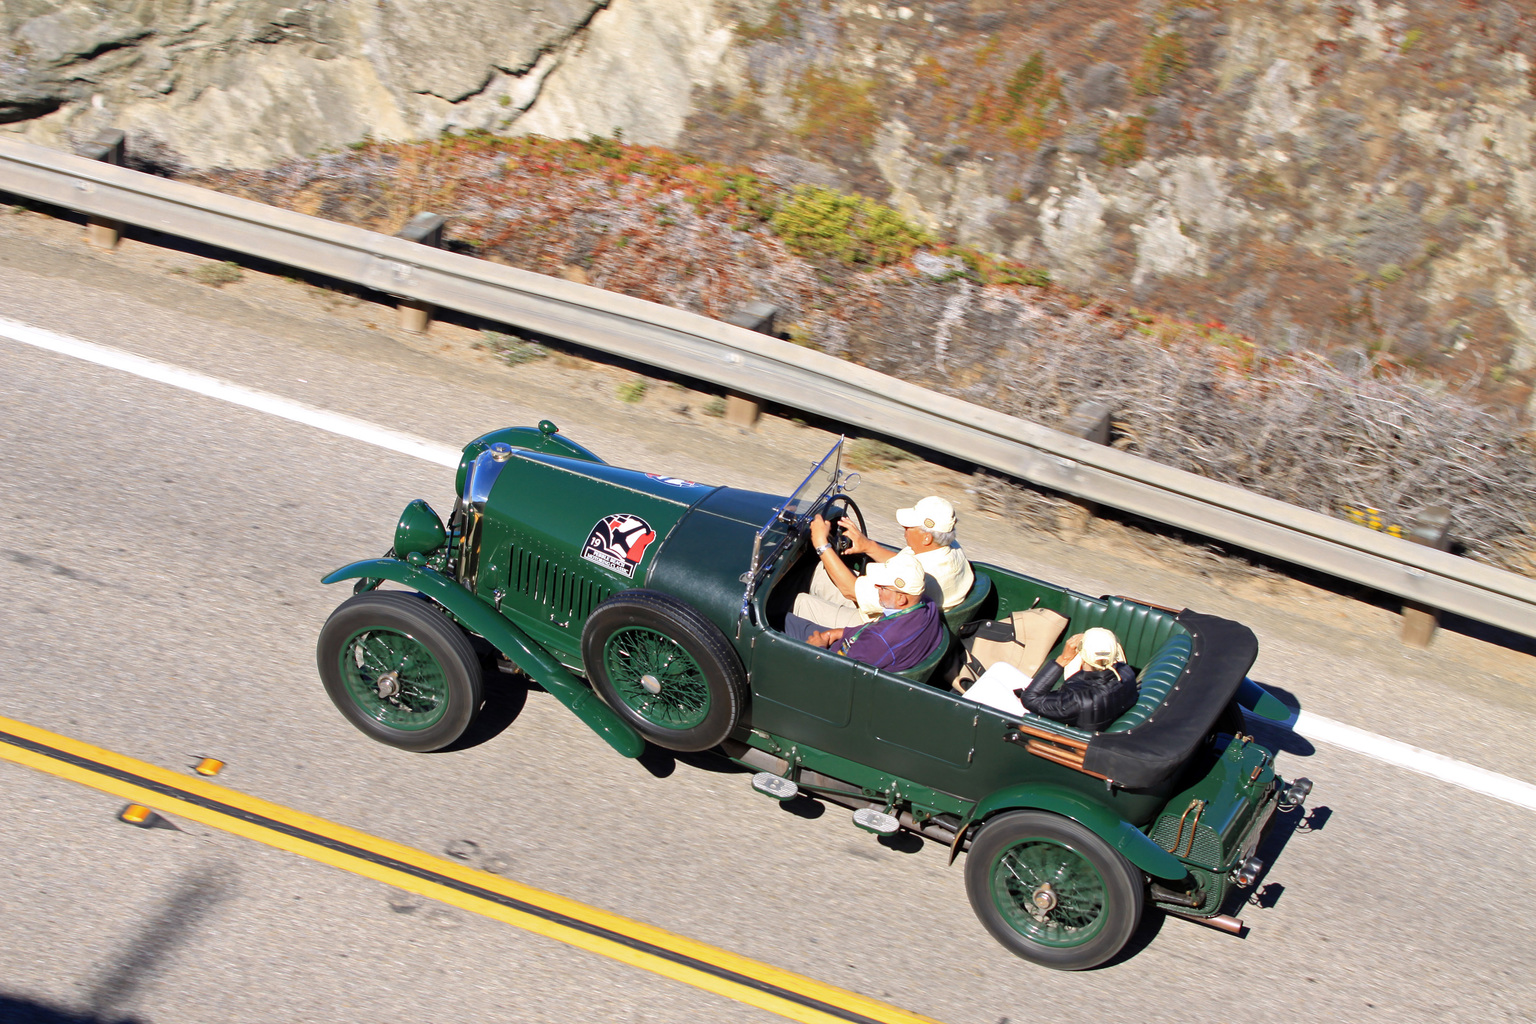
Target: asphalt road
<point>160,598</point>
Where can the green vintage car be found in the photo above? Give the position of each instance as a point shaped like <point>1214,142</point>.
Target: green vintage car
<point>652,607</point>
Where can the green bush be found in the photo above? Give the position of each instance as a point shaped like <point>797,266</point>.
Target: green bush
<point>217,274</point>
<point>632,391</point>
<point>867,453</point>
<point>511,349</point>
<point>827,224</point>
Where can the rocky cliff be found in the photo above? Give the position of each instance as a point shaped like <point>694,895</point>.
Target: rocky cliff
<point>1310,174</point>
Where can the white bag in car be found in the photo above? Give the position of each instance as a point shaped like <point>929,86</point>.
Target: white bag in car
<point>995,687</point>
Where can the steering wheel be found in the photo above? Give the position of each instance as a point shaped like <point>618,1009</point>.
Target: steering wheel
<point>841,542</point>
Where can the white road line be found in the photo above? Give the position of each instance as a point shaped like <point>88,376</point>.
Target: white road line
<point>1313,727</point>
<point>212,387</point>
<point>1427,762</point>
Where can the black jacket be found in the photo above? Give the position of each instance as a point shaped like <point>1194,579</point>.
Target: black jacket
<point>1091,699</point>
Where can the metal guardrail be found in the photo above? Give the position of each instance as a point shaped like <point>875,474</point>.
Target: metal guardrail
<point>753,364</point>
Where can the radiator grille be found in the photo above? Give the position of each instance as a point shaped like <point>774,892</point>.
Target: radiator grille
<point>569,596</point>
<point>1206,849</point>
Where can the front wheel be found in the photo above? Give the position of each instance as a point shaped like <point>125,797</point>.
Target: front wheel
<point>398,669</point>
<point>665,669</point>
<point>1051,891</point>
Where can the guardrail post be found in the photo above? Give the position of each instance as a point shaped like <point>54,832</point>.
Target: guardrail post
<point>106,146</point>
<point>759,317</point>
<point>1089,421</point>
<point>413,315</point>
<point>1432,528</point>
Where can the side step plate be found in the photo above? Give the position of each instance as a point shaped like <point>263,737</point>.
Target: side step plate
<point>878,822</point>
<point>775,786</point>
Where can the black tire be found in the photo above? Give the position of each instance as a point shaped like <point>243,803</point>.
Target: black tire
<point>437,679</point>
<point>1090,897</point>
<point>665,669</point>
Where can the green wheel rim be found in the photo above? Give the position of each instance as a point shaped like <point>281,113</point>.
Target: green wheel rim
<point>1049,893</point>
<point>656,678</point>
<point>394,679</point>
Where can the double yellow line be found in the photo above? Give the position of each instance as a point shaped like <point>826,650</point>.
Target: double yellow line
<point>639,945</point>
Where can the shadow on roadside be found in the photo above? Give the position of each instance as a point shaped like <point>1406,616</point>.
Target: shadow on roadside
<point>15,1010</point>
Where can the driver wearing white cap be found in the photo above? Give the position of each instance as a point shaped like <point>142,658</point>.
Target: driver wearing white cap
<point>839,598</point>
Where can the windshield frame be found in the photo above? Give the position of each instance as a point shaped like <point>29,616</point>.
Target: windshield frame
<point>793,515</point>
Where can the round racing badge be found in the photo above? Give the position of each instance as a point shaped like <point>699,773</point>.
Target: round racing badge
<point>618,542</point>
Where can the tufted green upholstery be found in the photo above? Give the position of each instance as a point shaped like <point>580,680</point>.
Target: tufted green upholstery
<point>1141,630</point>
<point>1155,681</point>
<point>960,614</point>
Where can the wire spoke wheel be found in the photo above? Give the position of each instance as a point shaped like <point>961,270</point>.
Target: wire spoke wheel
<point>656,677</point>
<point>1051,890</point>
<point>400,670</point>
<point>666,669</point>
<point>1049,893</point>
<point>394,679</point>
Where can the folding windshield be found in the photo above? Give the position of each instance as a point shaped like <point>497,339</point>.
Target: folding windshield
<point>822,481</point>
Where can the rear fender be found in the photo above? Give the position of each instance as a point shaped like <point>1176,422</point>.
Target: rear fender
<point>1126,838</point>
<point>518,647</point>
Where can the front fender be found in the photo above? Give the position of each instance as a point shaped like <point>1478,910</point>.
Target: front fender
<point>508,639</point>
<point>1130,841</point>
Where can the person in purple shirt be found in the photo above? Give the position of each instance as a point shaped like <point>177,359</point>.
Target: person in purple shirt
<point>908,632</point>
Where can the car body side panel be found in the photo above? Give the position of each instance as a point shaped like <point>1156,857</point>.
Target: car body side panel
<point>511,641</point>
<point>560,536</point>
<point>702,561</point>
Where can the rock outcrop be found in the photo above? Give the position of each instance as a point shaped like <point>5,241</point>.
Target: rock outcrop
<point>1350,173</point>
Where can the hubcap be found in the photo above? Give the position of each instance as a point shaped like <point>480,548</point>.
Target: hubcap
<point>1049,893</point>
<point>394,679</point>
<point>656,677</point>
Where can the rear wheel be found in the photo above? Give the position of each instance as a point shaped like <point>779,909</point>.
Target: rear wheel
<point>1052,891</point>
<point>665,669</point>
<point>398,669</point>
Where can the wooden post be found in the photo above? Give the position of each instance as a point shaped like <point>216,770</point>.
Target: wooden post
<point>414,315</point>
<point>759,316</point>
<point>1089,421</point>
<point>1432,528</point>
<point>108,147</point>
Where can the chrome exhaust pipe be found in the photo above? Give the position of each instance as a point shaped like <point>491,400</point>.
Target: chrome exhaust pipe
<point>1221,922</point>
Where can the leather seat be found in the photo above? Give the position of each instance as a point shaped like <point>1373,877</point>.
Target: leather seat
<point>1155,681</point>
<point>967,609</point>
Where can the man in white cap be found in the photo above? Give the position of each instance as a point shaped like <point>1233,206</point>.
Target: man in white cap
<point>908,629</point>
<point>839,598</point>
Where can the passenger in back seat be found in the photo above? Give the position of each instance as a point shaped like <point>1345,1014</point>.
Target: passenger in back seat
<point>1097,686</point>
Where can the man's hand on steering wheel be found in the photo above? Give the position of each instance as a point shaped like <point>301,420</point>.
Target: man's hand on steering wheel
<point>858,544</point>
<point>821,531</point>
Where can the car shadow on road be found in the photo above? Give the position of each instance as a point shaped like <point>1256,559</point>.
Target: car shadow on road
<point>506,693</point>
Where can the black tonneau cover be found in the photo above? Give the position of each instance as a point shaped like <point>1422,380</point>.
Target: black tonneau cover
<point>1222,653</point>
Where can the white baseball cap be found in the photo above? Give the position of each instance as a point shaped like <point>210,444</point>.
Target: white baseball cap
<point>932,513</point>
<point>902,571</point>
<point>1100,648</point>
